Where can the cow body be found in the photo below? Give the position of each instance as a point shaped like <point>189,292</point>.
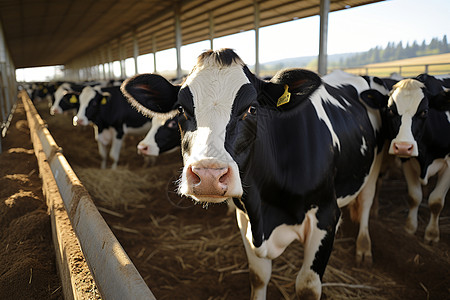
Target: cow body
<point>417,121</point>
<point>286,152</point>
<point>112,117</point>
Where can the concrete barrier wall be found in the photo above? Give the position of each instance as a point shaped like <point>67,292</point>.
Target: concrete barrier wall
<point>111,270</point>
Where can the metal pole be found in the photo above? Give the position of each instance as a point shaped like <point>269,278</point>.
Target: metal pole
<point>154,53</point>
<point>211,30</point>
<point>257,20</point>
<point>178,39</point>
<point>135,51</point>
<point>324,10</point>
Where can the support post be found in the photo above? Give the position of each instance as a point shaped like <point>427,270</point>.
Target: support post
<point>135,51</point>
<point>257,20</point>
<point>211,30</point>
<point>322,61</point>
<point>178,39</point>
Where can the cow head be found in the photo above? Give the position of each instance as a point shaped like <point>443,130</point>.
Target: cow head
<point>90,101</point>
<point>70,101</point>
<point>217,108</point>
<point>58,95</point>
<point>162,137</point>
<point>405,111</point>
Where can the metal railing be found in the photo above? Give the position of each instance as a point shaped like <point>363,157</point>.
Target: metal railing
<point>402,70</point>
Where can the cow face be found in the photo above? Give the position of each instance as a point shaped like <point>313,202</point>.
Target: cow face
<point>162,137</point>
<point>59,94</point>
<point>70,101</point>
<point>407,109</point>
<point>405,112</point>
<point>217,109</point>
<point>87,97</point>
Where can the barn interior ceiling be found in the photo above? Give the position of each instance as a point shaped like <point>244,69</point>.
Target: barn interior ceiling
<point>58,32</point>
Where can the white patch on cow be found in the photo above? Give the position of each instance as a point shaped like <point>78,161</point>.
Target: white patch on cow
<point>106,136</point>
<point>407,95</point>
<point>283,235</point>
<point>363,148</point>
<point>213,89</point>
<point>59,94</point>
<point>436,166</point>
<point>447,113</point>
<point>317,102</point>
<point>87,94</point>
<point>338,78</point>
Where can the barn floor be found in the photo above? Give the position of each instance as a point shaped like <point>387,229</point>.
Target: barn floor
<point>184,251</point>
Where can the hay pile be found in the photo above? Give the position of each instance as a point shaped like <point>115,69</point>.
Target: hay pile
<point>117,188</point>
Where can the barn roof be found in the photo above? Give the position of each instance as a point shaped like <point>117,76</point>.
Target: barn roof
<point>57,32</point>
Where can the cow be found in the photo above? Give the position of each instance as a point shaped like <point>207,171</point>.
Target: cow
<point>59,94</point>
<point>417,120</point>
<point>162,137</point>
<point>288,152</point>
<point>112,117</point>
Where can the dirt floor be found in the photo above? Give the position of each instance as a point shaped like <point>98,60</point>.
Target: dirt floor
<point>27,256</point>
<point>184,251</point>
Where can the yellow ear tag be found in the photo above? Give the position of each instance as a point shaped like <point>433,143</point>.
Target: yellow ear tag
<point>103,102</point>
<point>73,99</point>
<point>285,98</point>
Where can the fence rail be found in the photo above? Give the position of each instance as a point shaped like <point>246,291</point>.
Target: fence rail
<point>402,70</point>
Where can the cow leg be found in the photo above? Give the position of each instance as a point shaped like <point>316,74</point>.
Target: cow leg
<point>114,153</point>
<point>365,199</point>
<point>436,203</point>
<point>318,244</point>
<point>260,269</point>
<point>103,151</point>
<point>415,195</point>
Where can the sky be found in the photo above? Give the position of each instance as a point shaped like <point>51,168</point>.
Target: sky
<point>351,30</point>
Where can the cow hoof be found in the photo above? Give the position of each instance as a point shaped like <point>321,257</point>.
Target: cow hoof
<point>431,237</point>
<point>410,228</point>
<point>364,259</point>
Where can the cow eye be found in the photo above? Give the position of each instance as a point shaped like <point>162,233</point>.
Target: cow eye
<point>252,110</point>
<point>180,110</point>
<point>423,114</point>
<point>172,124</point>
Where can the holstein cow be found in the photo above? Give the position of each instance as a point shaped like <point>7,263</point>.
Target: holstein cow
<point>163,136</point>
<point>417,119</point>
<point>285,151</point>
<point>64,88</point>
<point>113,119</point>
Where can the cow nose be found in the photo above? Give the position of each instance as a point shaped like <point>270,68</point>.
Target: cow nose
<point>403,149</point>
<point>208,181</point>
<point>143,149</point>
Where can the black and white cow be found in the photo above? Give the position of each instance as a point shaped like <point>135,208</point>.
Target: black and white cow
<point>417,119</point>
<point>163,136</point>
<point>63,89</point>
<point>112,117</point>
<point>285,151</point>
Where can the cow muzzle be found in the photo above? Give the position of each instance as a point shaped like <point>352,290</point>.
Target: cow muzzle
<point>403,149</point>
<point>211,182</point>
<point>147,150</point>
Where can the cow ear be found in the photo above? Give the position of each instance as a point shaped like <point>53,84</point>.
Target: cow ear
<point>151,94</point>
<point>440,101</point>
<point>374,99</point>
<point>433,85</point>
<point>287,83</point>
